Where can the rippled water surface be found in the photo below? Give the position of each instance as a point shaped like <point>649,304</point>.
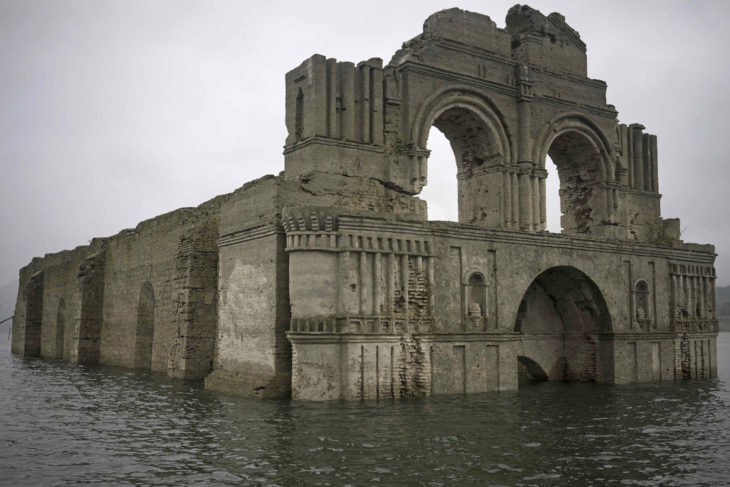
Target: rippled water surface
<point>63,424</point>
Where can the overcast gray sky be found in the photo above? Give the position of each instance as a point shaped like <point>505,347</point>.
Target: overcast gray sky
<point>112,112</point>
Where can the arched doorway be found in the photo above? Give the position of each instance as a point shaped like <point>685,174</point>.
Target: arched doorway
<point>145,327</point>
<point>60,328</point>
<point>560,319</point>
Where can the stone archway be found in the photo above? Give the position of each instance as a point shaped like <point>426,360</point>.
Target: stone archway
<point>582,157</point>
<point>480,143</point>
<point>560,319</point>
<point>145,327</point>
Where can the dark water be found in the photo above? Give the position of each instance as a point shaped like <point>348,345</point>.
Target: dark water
<point>67,425</point>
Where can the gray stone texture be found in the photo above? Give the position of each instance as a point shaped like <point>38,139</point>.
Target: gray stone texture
<point>328,281</point>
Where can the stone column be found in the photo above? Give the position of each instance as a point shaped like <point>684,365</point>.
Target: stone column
<point>535,203</point>
<point>543,209</point>
<point>525,196</point>
<point>515,202</point>
<point>524,159</point>
<point>377,291</point>
<point>675,297</point>
<point>507,200</point>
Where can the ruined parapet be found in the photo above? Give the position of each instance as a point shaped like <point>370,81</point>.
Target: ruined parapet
<point>506,99</point>
<point>546,42</point>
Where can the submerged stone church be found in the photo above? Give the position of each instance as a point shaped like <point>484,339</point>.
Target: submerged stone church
<point>329,282</point>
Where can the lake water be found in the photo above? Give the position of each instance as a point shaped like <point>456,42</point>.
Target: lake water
<point>62,424</point>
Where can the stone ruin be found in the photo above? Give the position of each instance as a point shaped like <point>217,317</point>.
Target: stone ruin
<point>329,282</point>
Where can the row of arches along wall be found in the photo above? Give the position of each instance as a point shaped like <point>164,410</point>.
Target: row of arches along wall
<point>144,327</point>
<point>441,193</point>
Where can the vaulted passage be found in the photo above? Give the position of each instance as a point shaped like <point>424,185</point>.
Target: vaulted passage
<point>145,327</point>
<point>560,318</point>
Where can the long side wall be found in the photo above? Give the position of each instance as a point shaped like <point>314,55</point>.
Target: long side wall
<point>48,305</point>
<point>144,298</point>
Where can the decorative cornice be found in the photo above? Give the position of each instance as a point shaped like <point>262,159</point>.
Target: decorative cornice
<point>251,233</point>
<point>327,141</point>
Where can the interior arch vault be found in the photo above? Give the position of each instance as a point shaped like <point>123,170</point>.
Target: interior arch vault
<point>561,320</point>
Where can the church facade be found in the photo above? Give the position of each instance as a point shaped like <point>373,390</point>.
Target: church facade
<point>328,281</point>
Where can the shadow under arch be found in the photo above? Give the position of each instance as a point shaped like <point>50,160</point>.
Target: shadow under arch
<point>562,321</point>
<point>529,371</point>
<point>479,139</point>
<point>584,161</point>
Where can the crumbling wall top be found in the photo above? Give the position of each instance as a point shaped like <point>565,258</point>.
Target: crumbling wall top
<point>468,28</point>
<point>525,19</point>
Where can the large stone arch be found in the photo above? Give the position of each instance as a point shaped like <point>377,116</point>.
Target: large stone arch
<point>454,96</point>
<point>561,319</point>
<point>481,143</point>
<point>584,160</point>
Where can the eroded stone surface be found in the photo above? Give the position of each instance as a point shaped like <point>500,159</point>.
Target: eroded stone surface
<point>327,281</point>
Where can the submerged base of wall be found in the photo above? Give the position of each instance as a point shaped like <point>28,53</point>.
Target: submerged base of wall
<point>244,384</point>
<point>329,366</point>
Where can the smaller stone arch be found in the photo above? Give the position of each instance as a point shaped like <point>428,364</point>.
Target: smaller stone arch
<point>60,328</point>
<point>145,327</point>
<point>586,172</point>
<point>529,371</point>
<point>579,123</point>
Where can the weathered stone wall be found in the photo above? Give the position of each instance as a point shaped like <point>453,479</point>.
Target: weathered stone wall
<point>47,291</point>
<point>328,282</point>
<point>439,308</point>
<point>86,305</point>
